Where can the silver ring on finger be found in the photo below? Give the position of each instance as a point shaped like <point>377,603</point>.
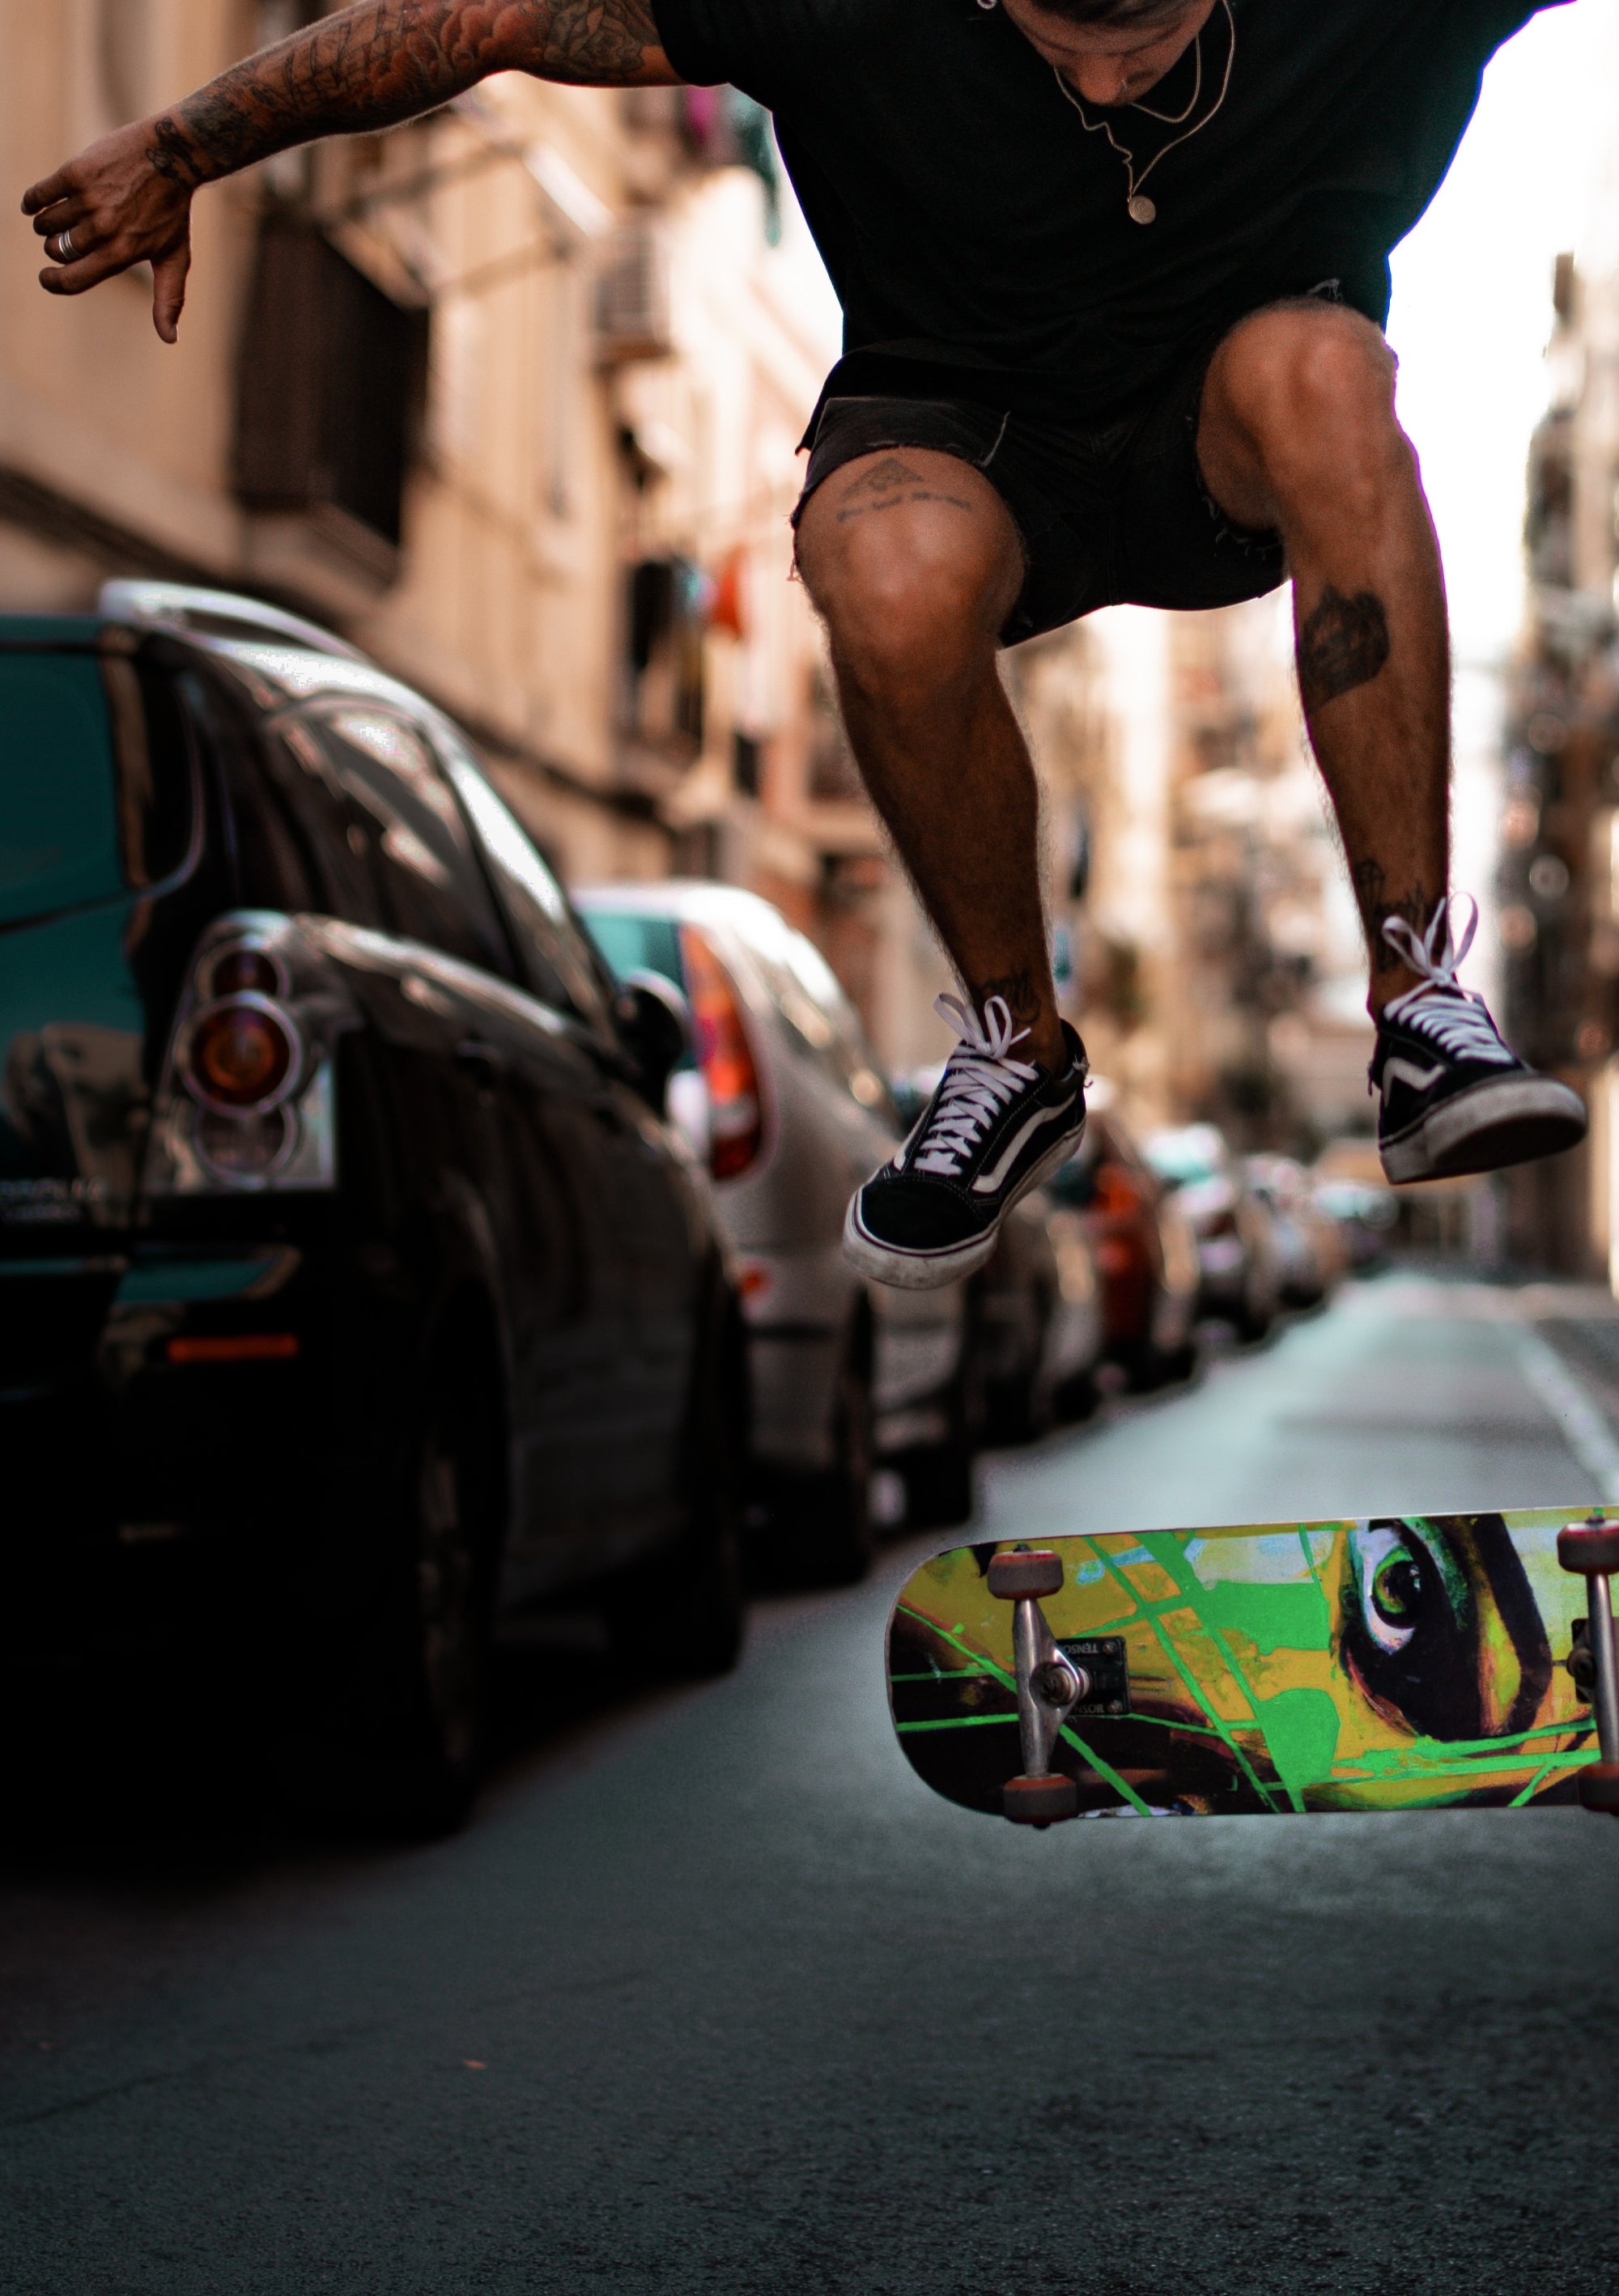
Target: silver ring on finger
<point>66,252</point>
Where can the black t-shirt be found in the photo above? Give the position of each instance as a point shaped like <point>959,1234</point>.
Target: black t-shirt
<point>973,218</point>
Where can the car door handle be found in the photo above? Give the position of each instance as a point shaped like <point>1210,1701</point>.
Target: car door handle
<point>609,1109</point>
<point>486,1062</point>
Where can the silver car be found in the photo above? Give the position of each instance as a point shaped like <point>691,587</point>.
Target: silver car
<point>787,1104</point>
<point>1239,1266</point>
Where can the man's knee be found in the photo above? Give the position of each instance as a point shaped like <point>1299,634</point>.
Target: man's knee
<point>913,587</point>
<point>1307,381</point>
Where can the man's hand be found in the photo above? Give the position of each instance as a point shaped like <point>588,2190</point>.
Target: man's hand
<point>118,207</point>
<point>127,199</point>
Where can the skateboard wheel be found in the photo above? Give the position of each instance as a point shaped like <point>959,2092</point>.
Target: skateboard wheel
<point>1592,1549</point>
<point>1598,1785</point>
<point>1037,1572</point>
<point>1041,1801</point>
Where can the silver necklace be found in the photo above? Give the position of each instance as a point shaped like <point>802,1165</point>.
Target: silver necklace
<point>1138,206</point>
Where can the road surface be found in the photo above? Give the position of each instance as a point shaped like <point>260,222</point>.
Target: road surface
<point>713,1997</point>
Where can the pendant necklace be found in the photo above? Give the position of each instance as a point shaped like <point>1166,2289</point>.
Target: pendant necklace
<point>1138,207</point>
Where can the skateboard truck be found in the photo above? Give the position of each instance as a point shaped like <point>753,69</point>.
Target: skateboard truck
<point>1050,1685</point>
<point>1591,1549</point>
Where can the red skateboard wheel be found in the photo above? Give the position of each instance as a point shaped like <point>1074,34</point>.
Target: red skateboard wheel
<point>1041,1801</point>
<point>1599,1785</point>
<point>1037,1572</point>
<point>1591,1548</point>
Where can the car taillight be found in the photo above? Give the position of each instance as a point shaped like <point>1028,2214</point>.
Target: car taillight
<point>242,1055</point>
<point>1116,1192</point>
<point>724,1055</point>
<point>246,970</point>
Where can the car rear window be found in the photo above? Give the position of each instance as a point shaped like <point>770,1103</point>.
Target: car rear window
<point>96,783</point>
<point>636,944</point>
<point>59,824</point>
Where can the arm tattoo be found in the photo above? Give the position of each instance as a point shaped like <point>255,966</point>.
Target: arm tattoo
<point>1344,644</point>
<point>372,66</point>
<point>1417,906</point>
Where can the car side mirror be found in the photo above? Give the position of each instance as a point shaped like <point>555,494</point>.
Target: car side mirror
<point>654,1023</point>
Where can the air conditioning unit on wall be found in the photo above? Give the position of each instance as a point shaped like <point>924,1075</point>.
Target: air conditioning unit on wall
<point>632,298</point>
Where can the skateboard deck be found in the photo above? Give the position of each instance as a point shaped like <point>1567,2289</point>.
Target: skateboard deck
<point>1399,1663</point>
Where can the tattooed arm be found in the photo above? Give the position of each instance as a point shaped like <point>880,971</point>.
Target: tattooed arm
<point>127,199</point>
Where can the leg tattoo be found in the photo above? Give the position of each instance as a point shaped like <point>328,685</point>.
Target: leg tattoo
<point>1344,644</point>
<point>1020,989</point>
<point>888,484</point>
<point>1371,892</point>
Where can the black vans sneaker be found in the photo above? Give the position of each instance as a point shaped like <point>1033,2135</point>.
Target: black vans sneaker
<point>995,1128</point>
<point>1453,1098</point>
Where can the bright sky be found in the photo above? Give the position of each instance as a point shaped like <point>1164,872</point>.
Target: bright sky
<point>1473,298</point>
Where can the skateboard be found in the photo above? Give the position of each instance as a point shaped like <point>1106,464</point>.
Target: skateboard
<point>1277,1669</point>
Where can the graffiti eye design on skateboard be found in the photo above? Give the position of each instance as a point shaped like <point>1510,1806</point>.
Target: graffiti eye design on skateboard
<point>1402,1663</point>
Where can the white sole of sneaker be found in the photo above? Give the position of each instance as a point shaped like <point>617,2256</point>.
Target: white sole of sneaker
<point>1491,1126</point>
<point>931,1271</point>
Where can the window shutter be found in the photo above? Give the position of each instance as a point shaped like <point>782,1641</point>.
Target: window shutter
<point>330,380</point>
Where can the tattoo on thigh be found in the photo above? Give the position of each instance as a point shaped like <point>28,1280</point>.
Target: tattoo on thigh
<point>1416,905</point>
<point>883,478</point>
<point>1344,644</point>
<point>889,483</point>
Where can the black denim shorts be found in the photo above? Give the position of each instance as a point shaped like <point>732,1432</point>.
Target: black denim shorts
<point>1110,515</point>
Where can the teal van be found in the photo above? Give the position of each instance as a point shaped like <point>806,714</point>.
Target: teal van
<point>347,1266</point>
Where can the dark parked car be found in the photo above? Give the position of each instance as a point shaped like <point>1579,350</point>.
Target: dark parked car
<point>344,1250</point>
<point>1037,1322</point>
<point>1145,1251</point>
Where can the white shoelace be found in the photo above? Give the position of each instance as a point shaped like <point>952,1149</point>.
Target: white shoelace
<point>1439,1007</point>
<point>979,1079</point>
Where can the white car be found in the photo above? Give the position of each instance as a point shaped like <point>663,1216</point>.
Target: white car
<point>786,1103</point>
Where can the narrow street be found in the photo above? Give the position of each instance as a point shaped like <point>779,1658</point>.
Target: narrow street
<point>712,1996</point>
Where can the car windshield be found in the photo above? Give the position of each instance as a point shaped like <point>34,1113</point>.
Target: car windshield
<point>59,797</point>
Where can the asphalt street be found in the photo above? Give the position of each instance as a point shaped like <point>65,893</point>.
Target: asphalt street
<point>711,1995</point>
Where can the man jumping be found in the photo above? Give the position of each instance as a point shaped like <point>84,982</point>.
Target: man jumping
<point>1113,275</point>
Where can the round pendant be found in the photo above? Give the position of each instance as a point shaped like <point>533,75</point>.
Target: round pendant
<point>1142,210</point>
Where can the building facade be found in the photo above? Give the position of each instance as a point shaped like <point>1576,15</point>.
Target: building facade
<point>1560,875</point>
<point>511,397</point>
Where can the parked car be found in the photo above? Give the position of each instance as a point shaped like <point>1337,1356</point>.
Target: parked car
<point>1035,1311</point>
<point>785,1098</point>
<point>1036,1322</point>
<point>1350,1189</point>
<point>1311,1252</point>
<point>1145,1253</point>
<point>1239,1272</point>
<point>346,1253</point>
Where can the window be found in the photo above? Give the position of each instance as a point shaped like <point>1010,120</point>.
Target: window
<point>310,843</point>
<point>563,970</point>
<point>96,783</point>
<point>807,995</point>
<point>665,624</point>
<point>746,753</point>
<point>634,943</point>
<point>421,857</point>
<point>331,380</point>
